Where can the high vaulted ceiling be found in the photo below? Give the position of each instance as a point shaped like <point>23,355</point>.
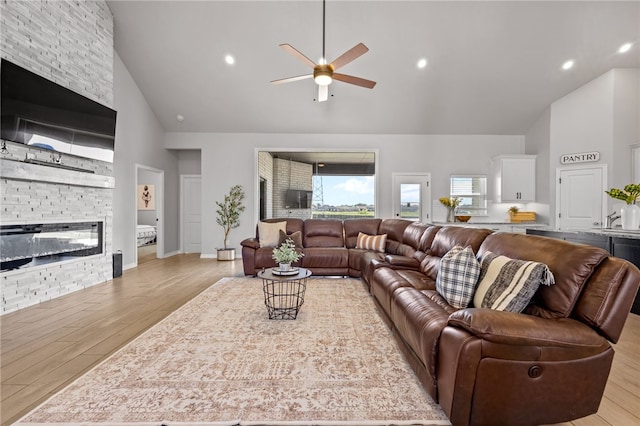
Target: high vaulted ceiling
<point>493,67</point>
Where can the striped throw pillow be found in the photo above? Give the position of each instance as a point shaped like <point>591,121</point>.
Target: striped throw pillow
<point>507,284</point>
<point>371,242</point>
<point>458,274</point>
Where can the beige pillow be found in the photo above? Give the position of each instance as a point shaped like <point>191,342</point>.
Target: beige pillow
<point>371,242</point>
<point>270,233</point>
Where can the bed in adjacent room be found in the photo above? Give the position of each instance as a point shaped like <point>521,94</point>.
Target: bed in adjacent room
<point>146,234</point>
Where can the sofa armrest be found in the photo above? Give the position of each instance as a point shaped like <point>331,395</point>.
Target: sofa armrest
<point>524,330</point>
<point>396,261</point>
<point>251,243</point>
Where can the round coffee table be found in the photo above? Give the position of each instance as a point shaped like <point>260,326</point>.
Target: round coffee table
<point>284,291</point>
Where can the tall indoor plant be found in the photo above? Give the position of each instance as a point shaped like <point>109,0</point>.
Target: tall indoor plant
<point>630,213</point>
<point>228,216</point>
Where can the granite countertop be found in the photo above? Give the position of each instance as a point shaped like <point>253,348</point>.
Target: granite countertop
<point>614,232</point>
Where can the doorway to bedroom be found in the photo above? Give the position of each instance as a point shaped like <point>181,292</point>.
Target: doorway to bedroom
<point>149,208</point>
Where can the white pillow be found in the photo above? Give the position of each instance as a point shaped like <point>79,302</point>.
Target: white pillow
<point>269,233</point>
<point>371,242</point>
<point>458,274</point>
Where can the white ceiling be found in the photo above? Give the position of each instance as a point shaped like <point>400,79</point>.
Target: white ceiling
<point>493,67</point>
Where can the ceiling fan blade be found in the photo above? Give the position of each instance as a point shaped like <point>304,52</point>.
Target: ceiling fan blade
<point>290,79</point>
<point>348,56</point>
<point>354,80</point>
<point>295,52</point>
<point>323,93</point>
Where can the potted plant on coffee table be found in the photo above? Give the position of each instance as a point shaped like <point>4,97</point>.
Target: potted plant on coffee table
<point>286,254</point>
<point>228,216</point>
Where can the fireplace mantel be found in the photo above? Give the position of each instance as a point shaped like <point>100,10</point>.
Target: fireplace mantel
<point>20,170</point>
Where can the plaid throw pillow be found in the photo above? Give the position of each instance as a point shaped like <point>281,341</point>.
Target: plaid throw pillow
<point>371,242</point>
<point>457,276</point>
<point>507,284</point>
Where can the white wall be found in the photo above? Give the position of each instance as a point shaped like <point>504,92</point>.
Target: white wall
<point>600,116</point>
<point>538,142</point>
<point>229,159</point>
<point>139,140</point>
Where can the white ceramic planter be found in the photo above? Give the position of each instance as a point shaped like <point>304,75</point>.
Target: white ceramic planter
<point>285,267</point>
<point>630,217</point>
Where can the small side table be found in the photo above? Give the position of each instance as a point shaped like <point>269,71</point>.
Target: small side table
<point>284,294</point>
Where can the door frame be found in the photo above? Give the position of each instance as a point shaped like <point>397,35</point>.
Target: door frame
<point>425,211</point>
<point>159,190</point>
<point>559,170</point>
<point>183,178</point>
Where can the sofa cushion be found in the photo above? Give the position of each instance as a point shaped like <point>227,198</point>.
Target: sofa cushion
<point>322,233</point>
<point>509,284</point>
<point>571,265</point>
<point>352,227</point>
<point>296,237</point>
<point>270,233</point>
<point>457,276</point>
<point>371,242</point>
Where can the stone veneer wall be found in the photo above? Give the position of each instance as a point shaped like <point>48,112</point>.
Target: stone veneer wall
<point>70,43</point>
<point>289,174</point>
<point>265,171</point>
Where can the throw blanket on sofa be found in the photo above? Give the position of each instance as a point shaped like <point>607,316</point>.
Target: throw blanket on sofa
<point>509,284</point>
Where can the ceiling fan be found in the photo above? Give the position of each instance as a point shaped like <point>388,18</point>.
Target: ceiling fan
<point>324,73</point>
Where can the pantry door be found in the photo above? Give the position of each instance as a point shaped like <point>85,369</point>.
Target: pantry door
<point>580,197</point>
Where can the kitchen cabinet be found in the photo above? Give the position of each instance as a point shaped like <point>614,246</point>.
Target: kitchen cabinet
<point>629,249</point>
<point>596,240</point>
<point>515,178</point>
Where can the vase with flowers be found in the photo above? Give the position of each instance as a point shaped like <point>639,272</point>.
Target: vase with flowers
<point>285,254</point>
<point>450,203</point>
<point>630,213</point>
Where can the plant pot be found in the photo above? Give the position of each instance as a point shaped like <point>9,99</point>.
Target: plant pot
<point>630,217</point>
<point>226,254</point>
<point>284,266</point>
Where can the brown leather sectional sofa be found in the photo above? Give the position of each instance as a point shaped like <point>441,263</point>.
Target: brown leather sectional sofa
<point>548,364</point>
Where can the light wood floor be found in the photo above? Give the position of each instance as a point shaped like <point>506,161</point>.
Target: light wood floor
<point>45,347</point>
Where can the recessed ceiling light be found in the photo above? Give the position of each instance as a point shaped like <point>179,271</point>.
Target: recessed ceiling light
<point>422,63</point>
<point>230,59</point>
<point>180,118</point>
<point>568,65</point>
<point>625,48</point>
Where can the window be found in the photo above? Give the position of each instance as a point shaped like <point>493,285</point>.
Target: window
<point>473,191</point>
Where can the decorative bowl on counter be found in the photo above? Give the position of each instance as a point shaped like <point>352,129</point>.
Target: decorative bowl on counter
<point>463,218</point>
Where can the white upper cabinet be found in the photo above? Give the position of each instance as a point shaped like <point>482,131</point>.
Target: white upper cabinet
<point>515,178</point>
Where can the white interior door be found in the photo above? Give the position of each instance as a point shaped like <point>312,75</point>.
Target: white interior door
<point>412,196</point>
<point>191,213</point>
<point>580,199</point>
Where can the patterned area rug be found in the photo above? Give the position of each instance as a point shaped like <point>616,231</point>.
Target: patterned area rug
<point>219,360</point>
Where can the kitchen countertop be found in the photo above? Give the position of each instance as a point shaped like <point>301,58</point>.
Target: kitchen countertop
<point>614,232</point>
<point>470,223</point>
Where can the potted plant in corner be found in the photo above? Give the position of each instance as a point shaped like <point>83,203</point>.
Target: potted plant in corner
<point>229,218</point>
<point>286,254</point>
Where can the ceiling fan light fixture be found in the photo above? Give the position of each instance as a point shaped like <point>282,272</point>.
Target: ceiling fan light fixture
<point>322,74</point>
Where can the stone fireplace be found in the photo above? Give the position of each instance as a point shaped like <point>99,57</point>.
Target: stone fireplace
<point>71,44</point>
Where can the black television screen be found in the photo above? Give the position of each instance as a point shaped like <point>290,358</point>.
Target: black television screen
<point>298,199</point>
<point>38,112</point>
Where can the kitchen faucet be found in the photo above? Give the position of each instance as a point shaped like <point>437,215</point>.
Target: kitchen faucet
<point>610,219</point>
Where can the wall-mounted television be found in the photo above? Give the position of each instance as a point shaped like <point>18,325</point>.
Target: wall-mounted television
<point>38,112</point>
<point>298,199</point>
